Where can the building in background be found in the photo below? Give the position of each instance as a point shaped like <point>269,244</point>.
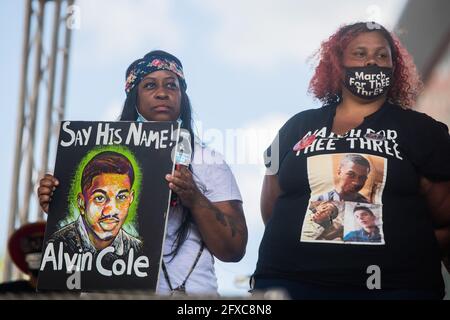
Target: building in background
<point>424,28</point>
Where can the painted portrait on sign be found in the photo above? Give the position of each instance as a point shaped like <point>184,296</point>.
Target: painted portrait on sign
<point>102,204</point>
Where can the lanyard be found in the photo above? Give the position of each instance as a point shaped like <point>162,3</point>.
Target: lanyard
<point>181,289</point>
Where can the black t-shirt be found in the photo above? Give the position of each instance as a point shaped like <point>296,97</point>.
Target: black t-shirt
<point>350,202</point>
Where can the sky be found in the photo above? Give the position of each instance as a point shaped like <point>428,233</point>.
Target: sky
<point>247,65</point>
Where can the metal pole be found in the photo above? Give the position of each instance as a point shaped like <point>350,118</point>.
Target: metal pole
<point>32,77</point>
<point>24,213</point>
<point>48,120</point>
<point>67,43</point>
<point>60,107</point>
<point>20,124</point>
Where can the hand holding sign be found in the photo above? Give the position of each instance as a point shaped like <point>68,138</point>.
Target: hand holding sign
<point>47,185</point>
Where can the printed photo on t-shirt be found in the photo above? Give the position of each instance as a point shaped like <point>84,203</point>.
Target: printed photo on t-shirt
<point>363,223</point>
<point>346,192</point>
<point>324,221</point>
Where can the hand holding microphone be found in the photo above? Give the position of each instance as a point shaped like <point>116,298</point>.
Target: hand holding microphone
<point>181,182</point>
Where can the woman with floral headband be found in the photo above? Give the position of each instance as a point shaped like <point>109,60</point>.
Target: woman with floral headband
<point>368,83</point>
<point>208,221</point>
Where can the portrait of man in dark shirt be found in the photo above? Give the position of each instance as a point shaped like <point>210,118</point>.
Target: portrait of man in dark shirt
<point>104,201</point>
<point>352,174</point>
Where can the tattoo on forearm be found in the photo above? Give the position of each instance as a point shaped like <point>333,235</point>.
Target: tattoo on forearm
<point>220,217</point>
<point>232,222</point>
<point>236,226</point>
<point>233,226</point>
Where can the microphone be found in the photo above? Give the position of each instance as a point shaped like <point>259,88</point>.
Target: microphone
<point>183,157</point>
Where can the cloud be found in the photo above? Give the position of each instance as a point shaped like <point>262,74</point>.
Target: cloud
<point>264,33</point>
<point>244,145</point>
<point>112,111</point>
<point>260,34</point>
<point>112,30</point>
<point>249,178</point>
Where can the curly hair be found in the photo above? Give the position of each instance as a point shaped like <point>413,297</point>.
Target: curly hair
<point>326,82</point>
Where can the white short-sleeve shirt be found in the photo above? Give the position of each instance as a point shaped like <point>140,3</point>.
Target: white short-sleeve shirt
<point>217,183</point>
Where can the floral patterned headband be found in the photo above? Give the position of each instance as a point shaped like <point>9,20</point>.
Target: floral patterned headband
<point>152,64</point>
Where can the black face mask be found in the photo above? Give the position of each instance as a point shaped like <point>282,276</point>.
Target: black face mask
<point>368,82</point>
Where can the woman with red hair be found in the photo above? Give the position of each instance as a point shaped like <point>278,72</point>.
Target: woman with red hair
<point>364,143</point>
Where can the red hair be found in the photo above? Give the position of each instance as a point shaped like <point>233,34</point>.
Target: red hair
<point>326,83</point>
